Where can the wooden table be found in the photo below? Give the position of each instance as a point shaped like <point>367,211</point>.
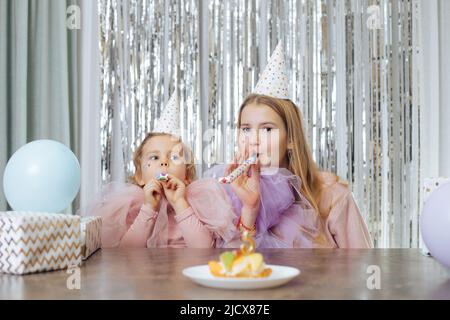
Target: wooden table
<point>156,274</point>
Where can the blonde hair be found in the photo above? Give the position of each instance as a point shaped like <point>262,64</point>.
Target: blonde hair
<point>300,160</point>
<point>191,173</point>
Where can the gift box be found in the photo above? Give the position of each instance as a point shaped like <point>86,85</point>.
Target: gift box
<point>34,241</point>
<point>91,228</point>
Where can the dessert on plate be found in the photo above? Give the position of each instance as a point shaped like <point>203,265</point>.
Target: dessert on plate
<point>242,263</point>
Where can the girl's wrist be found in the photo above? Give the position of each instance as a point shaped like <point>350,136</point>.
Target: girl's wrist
<point>242,226</point>
<point>248,218</point>
<point>250,211</point>
<point>180,205</point>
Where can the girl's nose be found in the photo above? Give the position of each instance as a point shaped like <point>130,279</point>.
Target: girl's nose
<point>164,164</point>
<point>254,139</point>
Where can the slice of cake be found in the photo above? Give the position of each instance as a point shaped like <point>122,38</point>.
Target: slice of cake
<point>243,263</point>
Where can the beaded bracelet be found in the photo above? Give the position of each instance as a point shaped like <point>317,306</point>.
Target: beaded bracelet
<point>240,224</point>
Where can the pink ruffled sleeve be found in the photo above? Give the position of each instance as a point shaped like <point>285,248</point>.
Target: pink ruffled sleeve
<point>141,229</point>
<point>346,225</point>
<point>213,208</point>
<point>195,233</point>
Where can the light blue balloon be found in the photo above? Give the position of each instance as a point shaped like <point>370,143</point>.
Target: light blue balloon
<point>43,175</point>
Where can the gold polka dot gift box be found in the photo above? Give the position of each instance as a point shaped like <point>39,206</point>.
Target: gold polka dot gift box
<point>35,241</point>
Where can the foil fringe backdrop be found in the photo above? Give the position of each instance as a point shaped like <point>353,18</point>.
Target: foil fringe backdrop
<point>351,71</point>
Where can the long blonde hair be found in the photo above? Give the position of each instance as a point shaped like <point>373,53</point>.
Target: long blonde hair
<point>300,160</point>
<point>190,165</point>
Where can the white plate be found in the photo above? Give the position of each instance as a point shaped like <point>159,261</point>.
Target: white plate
<point>280,275</point>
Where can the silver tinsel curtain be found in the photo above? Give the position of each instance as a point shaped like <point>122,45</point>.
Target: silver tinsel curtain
<point>352,75</point>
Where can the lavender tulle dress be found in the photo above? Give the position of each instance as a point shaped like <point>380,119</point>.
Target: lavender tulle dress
<point>285,218</point>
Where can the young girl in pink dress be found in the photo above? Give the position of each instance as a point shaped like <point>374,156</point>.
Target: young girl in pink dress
<point>284,199</point>
<point>164,206</point>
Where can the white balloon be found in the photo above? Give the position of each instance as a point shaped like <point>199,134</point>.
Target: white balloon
<point>435,224</point>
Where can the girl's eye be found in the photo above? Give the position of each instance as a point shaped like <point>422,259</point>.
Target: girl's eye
<point>174,157</point>
<point>267,130</point>
<point>245,130</point>
<point>153,158</point>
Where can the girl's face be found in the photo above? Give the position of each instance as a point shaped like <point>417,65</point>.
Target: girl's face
<point>162,154</point>
<point>263,132</point>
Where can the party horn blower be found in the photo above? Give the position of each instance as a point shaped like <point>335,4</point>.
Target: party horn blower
<point>162,176</point>
<point>238,171</point>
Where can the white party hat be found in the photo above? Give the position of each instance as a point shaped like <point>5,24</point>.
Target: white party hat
<point>273,81</point>
<point>169,121</point>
